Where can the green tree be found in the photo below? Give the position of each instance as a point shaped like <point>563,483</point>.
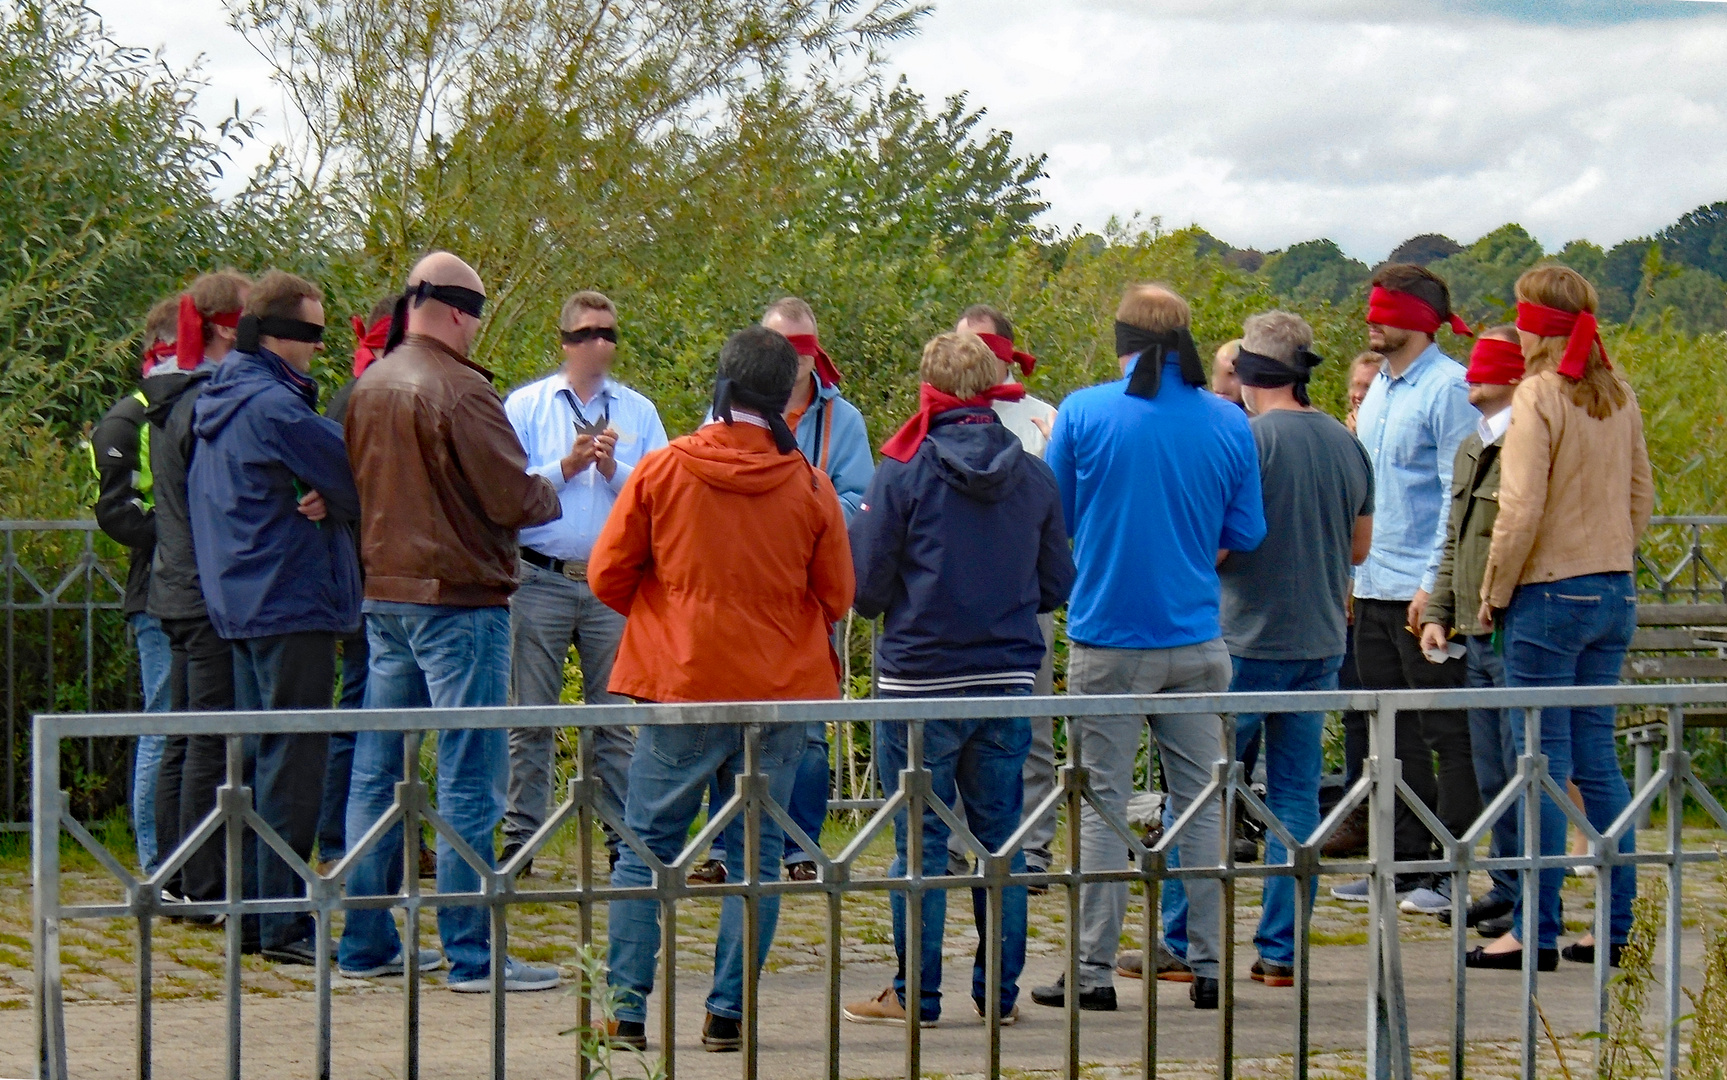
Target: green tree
<point>1481,276</point>
<point>1316,270</point>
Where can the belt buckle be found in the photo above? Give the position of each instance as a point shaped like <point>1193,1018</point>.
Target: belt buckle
<point>576,570</point>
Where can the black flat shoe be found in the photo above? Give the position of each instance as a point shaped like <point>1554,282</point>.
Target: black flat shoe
<point>1496,927</point>
<point>1479,957</point>
<point>1585,954</point>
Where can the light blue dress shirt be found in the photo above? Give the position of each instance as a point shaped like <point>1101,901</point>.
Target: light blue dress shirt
<point>546,423</point>
<point>1411,425</point>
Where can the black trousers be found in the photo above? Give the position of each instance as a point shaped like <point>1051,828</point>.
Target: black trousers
<point>201,679</point>
<point>1388,657</point>
<point>286,772</point>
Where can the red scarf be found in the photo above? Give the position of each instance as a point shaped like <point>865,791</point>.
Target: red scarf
<point>1007,354</point>
<point>1495,362</point>
<point>368,342</point>
<point>155,354</point>
<point>189,335</point>
<point>903,446</point>
<point>1579,326</point>
<point>1390,307</point>
<point>808,345</point>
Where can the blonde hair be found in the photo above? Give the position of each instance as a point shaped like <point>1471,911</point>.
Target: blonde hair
<point>162,323</point>
<point>1154,307</point>
<point>218,293</point>
<point>1599,392</point>
<point>959,363</point>
<point>586,300</point>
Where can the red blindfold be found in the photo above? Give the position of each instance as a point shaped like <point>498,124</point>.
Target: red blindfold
<point>1579,326</point>
<point>189,333</point>
<point>903,446</point>
<point>1389,307</point>
<point>1007,354</point>
<point>809,345</point>
<point>369,342</point>
<point>1495,362</point>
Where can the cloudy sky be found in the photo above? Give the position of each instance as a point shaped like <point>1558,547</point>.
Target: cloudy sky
<point>1275,121</point>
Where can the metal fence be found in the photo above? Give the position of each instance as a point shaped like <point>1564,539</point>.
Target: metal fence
<point>1678,561</point>
<point>1385,1014</point>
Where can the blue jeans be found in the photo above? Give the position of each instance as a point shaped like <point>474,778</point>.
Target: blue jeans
<point>1574,632</point>
<point>1294,759</point>
<point>671,770</point>
<point>982,761</point>
<point>809,798</point>
<point>1495,757</point>
<point>445,658</point>
<point>333,819</point>
<point>155,659</point>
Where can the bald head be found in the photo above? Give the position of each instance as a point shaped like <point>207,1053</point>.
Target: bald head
<point>436,319</point>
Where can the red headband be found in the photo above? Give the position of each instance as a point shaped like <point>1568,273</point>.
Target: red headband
<point>1579,326</point>
<point>1495,362</point>
<point>808,345</point>
<point>903,446</point>
<point>369,341</point>
<point>189,334</point>
<point>1007,354</point>
<point>156,353</point>
<point>1393,307</point>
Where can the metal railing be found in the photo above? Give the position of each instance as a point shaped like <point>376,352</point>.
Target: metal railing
<point>1695,575</point>
<point>1381,788</point>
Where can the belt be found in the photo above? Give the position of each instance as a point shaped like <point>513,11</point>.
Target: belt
<point>574,569</point>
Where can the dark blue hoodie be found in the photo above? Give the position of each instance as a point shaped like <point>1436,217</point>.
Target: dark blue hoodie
<point>962,547</point>
<point>265,568</point>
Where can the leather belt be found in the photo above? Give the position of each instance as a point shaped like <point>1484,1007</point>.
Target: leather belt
<point>574,569</point>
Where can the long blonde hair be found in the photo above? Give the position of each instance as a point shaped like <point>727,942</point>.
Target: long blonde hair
<point>1600,391</point>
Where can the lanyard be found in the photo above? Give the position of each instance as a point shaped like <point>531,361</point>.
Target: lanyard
<point>583,426</point>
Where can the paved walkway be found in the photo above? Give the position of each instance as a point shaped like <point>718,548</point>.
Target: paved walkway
<point>190,1045</point>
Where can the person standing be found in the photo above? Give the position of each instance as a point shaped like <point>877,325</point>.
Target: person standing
<point>1157,476</point>
<point>585,433</point>
<point>1225,382</point>
<point>961,545</point>
<point>1495,369</point>
<point>1413,419</point>
<point>201,671</point>
<point>125,511</point>
<point>727,554</point>
<point>443,486</point>
<point>1283,604</point>
<point>831,435</point>
<point>271,494</point>
<point>1575,497</point>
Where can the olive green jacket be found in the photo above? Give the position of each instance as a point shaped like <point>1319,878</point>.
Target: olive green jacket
<point>1456,598</point>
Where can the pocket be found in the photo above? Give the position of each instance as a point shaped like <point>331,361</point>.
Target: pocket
<point>678,746</point>
<point>1007,737</point>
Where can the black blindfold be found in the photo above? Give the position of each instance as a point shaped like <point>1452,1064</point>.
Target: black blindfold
<point>253,327</point>
<point>1154,349</point>
<point>1263,372</point>
<point>467,301</point>
<point>589,333</point>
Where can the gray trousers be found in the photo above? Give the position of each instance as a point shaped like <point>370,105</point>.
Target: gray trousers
<point>548,614</point>
<point>1038,775</point>
<point>1188,745</point>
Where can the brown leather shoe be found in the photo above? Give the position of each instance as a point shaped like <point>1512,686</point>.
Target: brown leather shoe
<point>1350,839</point>
<point>710,872</point>
<point>1131,965</point>
<point>428,863</point>
<point>801,871</point>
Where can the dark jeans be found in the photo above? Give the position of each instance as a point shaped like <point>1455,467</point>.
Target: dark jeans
<point>1388,657</point>
<point>284,671</point>
<point>1495,754</point>
<point>332,820</point>
<point>201,679</point>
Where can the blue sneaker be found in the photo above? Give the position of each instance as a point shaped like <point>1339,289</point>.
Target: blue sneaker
<point>430,960</point>
<point>518,975</point>
<point>1356,892</point>
<point>1429,901</point>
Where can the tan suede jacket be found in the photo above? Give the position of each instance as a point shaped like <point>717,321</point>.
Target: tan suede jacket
<point>1575,492</point>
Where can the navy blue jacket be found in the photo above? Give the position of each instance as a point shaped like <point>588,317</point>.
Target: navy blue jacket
<point>261,445</point>
<point>962,547</point>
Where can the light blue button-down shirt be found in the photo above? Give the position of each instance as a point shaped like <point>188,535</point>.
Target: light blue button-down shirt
<point>546,424</point>
<point>1411,425</point>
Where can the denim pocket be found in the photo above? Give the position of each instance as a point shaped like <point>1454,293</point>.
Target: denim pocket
<point>678,746</point>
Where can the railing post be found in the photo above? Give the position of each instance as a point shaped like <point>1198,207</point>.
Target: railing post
<point>234,798</point>
<point>1387,1009</point>
<point>45,799</point>
<point>1678,764</point>
<point>915,781</point>
<point>1535,768</point>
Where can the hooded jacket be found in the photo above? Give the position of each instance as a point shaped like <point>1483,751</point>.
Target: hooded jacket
<point>731,562</point>
<point>962,547</point>
<point>174,590</point>
<point>119,450</point>
<point>261,445</point>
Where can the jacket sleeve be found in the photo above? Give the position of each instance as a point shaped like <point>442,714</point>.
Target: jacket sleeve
<point>832,579</point>
<point>1055,569</point>
<point>1058,455</point>
<point>1441,605</point>
<point>1642,479</point>
<point>1524,464</point>
<point>1453,418</point>
<point>624,550</point>
<point>120,509</point>
<point>311,447</point>
<point>850,463</point>
<point>485,446</point>
<point>877,534</point>
<point>1244,516</point>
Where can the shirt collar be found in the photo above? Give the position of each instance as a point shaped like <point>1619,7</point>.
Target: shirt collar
<point>608,388</point>
<point>742,415</point>
<point>1420,364</point>
<point>1493,428</point>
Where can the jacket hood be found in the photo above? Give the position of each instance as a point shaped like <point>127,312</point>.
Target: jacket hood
<point>980,461</point>
<point>162,391</point>
<point>740,457</point>
<point>240,378</point>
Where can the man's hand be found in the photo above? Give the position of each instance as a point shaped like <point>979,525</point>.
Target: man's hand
<point>1416,607</point>
<point>581,455</point>
<point>606,452</point>
<point>312,506</point>
<point>1485,615</point>
<point>1432,637</point>
<point>1042,425</point>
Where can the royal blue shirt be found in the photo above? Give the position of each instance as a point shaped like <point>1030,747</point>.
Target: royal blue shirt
<point>545,420</point>
<point>1411,425</point>
<point>1151,490</point>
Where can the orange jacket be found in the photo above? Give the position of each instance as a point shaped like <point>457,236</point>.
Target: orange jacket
<point>732,564</point>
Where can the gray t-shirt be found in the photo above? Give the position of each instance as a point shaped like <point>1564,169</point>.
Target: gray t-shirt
<point>1285,600</point>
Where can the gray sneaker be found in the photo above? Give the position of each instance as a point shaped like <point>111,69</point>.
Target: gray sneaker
<point>518,975</point>
<point>1357,892</point>
<point>1426,901</point>
<point>430,960</point>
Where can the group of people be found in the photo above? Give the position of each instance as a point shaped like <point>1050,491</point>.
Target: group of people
<point>450,546</point>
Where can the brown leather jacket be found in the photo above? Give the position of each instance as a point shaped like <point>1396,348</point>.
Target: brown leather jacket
<point>443,480</point>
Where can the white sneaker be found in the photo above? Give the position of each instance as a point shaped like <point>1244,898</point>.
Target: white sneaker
<point>430,960</point>
<point>518,975</point>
